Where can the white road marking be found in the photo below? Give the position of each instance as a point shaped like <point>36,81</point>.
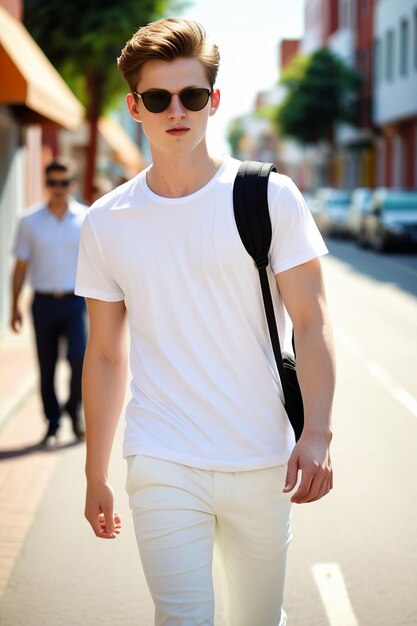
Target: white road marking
<point>385,379</point>
<point>380,374</point>
<point>406,399</point>
<point>329,580</point>
<point>390,384</point>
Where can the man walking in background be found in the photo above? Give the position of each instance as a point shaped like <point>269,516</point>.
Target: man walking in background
<point>46,246</point>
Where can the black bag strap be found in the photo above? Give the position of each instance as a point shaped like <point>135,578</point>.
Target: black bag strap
<point>250,202</point>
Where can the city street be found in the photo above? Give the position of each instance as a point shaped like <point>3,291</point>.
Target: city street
<point>353,560</point>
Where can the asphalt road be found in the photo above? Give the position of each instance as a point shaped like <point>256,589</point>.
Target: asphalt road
<point>365,530</point>
<point>353,560</point>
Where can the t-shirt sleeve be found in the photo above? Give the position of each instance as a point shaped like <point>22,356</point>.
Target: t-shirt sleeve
<point>22,248</point>
<point>94,279</point>
<point>295,236</point>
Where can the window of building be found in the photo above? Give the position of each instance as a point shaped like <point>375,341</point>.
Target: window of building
<point>415,156</point>
<point>349,22</point>
<point>415,39</point>
<point>404,46</point>
<point>346,11</point>
<point>362,63</point>
<point>389,55</point>
<point>343,7</point>
<point>308,17</point>
<point>371,69</point>
<point>359,61</point>
<point>398,161</point>
<point>363,7</point>
<point>377,61</point>
<point>365,63</point>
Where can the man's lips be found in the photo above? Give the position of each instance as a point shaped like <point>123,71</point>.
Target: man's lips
<point>178,130</point>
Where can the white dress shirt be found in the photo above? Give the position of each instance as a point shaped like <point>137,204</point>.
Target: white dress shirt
<point>50,245</point>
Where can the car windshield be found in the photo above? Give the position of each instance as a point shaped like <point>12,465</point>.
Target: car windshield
<point>342,202</point>
<point>401,202</point>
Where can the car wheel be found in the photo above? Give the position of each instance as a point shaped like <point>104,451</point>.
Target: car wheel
<point>380,243</point>
<point>362,239</point>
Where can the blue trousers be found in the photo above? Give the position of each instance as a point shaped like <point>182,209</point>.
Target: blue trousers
<point>53,319</point>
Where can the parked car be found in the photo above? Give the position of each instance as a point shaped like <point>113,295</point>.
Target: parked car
<point>360,206</point>
<point>332,210</point>
<point>311,201</point>
<point>392,221</point>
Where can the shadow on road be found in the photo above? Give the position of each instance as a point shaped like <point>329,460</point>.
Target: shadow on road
<point>397,268</point>
<point>13,453</point>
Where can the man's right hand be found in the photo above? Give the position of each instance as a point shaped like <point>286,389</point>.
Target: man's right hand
<point>99,511</point>
<point>16,321</point>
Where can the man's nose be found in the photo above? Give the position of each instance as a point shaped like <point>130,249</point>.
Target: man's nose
<point>176,108</point>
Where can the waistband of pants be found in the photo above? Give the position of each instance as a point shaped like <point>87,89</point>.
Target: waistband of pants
<point>57,295</point>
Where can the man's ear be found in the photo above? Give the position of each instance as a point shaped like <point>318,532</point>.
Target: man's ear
<point>215,101</point>
<point>132,106</point>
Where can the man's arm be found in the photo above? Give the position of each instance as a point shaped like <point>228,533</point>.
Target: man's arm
<point>303,294</point>
<point>104,387</point>
<point>18,279</point>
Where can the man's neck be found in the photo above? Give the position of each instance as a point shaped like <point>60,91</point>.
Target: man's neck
<point>181,175</point>
<point>58,208</point>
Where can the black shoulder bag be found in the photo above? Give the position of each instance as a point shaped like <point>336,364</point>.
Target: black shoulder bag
<point>250,200</point>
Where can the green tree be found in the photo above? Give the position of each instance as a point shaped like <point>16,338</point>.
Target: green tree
<point>322,91</point>
<point>235,133</point>
<point>83,40</point>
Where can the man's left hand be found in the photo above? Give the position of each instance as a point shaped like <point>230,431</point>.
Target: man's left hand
<point>311,456</point>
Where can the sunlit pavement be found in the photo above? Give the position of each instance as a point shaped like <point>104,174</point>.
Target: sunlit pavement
<point>53,571</point>
<point>353,561</point>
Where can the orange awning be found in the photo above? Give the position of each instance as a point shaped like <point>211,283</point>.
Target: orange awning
<point>30,81</point>
<point>124,149</point>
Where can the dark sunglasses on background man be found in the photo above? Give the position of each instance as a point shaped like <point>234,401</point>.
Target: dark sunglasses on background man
<point>50,182</point>
<point>158,100</point>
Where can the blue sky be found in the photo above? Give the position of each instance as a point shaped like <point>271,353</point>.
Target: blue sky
<point>247,33</point>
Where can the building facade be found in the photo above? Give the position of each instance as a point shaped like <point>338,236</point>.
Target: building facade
<point>395,92</point>
<point>32,96</point>
<point>379,39</point>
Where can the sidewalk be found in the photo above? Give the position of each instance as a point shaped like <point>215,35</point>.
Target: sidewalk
<point>24,468</point>
<point>52,568</point>
<point>18,369</point>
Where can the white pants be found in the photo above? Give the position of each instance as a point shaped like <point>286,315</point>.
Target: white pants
<point>179,514</point>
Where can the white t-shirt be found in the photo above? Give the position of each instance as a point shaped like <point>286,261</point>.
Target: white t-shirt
<point>205,388</point>
<point>50,245</point>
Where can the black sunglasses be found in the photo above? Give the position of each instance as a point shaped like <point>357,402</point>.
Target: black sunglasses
<point>58,183</point>
<point>158,100</point>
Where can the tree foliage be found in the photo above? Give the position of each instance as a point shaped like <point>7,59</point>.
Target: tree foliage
<point>322,91</point>
<point>83,39</point>
<point>235,134</point>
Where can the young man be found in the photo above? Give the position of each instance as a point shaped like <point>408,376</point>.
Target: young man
<point>210,450</point>
<point>47,244</point>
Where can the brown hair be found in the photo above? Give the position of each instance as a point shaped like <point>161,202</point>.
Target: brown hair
<point>62,164</point>
<point>166,40</point>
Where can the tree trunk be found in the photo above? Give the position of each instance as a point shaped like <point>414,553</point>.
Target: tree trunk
<point>93,114</point>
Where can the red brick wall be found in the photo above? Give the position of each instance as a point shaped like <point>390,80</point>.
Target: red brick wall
<point>408,132</point>
<point>288,50</point>
<point>364,56</point>
<point>331,8</point>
